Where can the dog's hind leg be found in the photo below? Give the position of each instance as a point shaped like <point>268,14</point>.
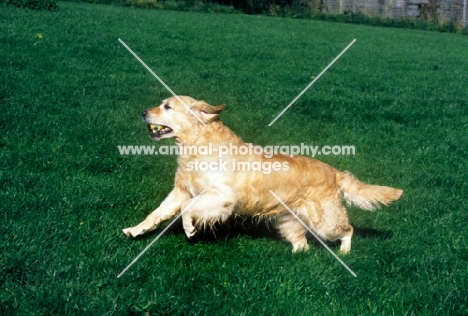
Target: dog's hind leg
<point>335,224</point>
<point>168,208</point>
<point>206,210</point>
<point>345,237</point>
<point>293,231</point>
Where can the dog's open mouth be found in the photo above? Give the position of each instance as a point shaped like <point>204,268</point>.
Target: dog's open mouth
<point>157,131</point>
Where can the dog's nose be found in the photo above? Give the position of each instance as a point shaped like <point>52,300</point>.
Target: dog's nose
<point>143,114</point>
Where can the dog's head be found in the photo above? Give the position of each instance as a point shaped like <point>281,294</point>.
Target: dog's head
<point>179,116</point>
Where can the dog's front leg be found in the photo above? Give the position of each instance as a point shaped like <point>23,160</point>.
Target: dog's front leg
<point>168,208</point>
<point>205,210</point>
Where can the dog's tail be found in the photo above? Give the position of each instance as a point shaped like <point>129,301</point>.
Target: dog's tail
<point>365,196</point>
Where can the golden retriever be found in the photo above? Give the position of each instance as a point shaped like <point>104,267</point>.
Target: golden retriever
<point>310,188</point>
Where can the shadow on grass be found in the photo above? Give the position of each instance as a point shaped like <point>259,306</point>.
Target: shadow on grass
<point>232,228</point>
<point>372,233</point>
<point>255,229</point>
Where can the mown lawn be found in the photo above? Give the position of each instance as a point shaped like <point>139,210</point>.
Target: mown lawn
<point>72,94</point>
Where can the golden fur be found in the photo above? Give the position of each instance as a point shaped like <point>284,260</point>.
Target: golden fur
<point>312,189</point>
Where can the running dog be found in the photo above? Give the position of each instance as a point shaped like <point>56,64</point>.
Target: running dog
<point>311,189</point>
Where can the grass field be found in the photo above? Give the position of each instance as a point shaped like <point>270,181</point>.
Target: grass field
<point>72,94</point>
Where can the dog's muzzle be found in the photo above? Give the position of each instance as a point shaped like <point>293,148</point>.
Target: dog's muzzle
<point>155,131</point>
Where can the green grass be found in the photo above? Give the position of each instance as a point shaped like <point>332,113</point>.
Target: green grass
<point>70,98</point>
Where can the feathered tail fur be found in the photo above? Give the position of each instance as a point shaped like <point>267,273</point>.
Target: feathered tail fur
<point>365,196</point>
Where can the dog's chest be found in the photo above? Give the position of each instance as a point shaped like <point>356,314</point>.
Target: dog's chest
<point>204,181</point>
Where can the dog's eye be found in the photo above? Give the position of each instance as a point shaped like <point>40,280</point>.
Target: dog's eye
<point>167,106</point>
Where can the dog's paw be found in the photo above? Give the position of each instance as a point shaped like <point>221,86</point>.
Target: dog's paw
<point>299,247</point>
<point>189,229</point>
<point>131,232</point>
<point>345,247</point>
<point>190,232</point>
<point>344,251</point>
<point>127,232</point>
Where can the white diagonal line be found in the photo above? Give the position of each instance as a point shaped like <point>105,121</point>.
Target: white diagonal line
<point>160,234</point>
<point>310,84</point>
<point>160,80</point>
<point>313,233</point>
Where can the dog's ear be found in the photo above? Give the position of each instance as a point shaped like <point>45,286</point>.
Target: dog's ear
<point>206,112</point>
